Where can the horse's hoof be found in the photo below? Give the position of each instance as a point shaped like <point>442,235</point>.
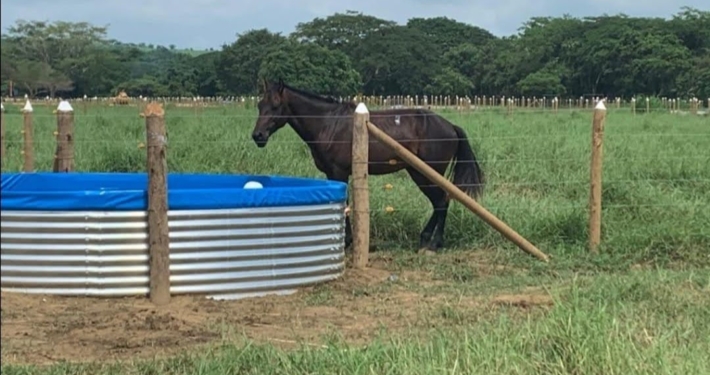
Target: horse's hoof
<point>426,252</point>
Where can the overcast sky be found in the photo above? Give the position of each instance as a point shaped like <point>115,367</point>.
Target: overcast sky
<point>210,23</point>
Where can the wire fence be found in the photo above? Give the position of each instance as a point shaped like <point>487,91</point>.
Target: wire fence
<point>447,100</point>
<point>478,103</point>
<point>657,179</point>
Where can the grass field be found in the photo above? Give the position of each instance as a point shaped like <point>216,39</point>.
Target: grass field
<point>482,306</point>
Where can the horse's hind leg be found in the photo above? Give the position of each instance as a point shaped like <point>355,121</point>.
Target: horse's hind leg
<point>432,236</point>
<point>437,241</point>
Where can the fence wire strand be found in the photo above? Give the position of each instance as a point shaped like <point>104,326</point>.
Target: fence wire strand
<point>371,141</point>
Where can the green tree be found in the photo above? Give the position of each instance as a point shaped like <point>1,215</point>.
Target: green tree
<point>543,83</point>
<point>98,72</point>
<point>447,33</point>
<point>346,52</point>
<point>656,62</point>
<point>341,31</point>
<point>502,68</point>
<point>449,82</point>
<point>206,80</point>
<point>313,67</point>
<point>7,63</point>
<point>53,42</point>
<point>239,63</point>
<point>398,60</point>
<point>45,48</point>
<point>695,82</point>
<point>27,76</point>
<point>692,26</point>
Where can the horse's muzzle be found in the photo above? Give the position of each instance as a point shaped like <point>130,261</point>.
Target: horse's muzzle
<point>260,138</point>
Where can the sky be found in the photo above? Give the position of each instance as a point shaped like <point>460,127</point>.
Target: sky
<point>201,24</point>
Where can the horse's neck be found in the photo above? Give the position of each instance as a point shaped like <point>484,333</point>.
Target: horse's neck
<point>310,119</point>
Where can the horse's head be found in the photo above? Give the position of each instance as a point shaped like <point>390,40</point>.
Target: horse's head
<point>273,113</point>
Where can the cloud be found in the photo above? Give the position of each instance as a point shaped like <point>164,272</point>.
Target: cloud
<point>210,23</point>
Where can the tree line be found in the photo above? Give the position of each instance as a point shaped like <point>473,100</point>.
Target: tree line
<point>353,53</point>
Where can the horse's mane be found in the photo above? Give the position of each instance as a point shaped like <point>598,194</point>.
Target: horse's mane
<point>322,98</point>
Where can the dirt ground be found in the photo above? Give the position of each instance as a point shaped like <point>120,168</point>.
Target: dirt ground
<point>46,329</point>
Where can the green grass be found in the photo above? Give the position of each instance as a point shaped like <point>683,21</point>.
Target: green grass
<point>646,322</point>
<point>640,307</point>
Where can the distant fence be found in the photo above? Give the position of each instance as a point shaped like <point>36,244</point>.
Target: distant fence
<point>636,104</point>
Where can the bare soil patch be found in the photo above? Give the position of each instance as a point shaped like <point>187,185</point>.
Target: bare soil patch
<point>46,329</point>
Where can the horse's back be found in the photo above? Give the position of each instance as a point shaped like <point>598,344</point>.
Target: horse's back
<point>423,132</point>
<point>413,123</point>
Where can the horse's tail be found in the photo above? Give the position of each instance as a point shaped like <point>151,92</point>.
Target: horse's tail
<point>467,173</point>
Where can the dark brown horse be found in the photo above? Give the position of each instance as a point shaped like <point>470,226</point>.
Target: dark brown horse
<point>325,124</point>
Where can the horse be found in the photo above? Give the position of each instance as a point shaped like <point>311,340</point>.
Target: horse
<point>325,124</point>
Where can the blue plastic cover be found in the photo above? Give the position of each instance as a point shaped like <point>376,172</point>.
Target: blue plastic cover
<point>128,191</point>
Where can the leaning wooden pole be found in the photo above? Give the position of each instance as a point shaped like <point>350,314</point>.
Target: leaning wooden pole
<point>595,196</point>
<point>361,195</point>
<point>158,231</point>
<point>456,193</point>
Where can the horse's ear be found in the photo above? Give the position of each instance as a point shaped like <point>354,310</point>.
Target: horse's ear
<point>281,85</point>
<point>266,84</point>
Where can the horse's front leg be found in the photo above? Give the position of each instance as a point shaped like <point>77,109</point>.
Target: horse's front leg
<point>344,177</point>
<point>348,227</point>
<point>348,230</point>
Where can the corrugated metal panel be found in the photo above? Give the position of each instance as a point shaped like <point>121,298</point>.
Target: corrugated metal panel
<point>220,253</point>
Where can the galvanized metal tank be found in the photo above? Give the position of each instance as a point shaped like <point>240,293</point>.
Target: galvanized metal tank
<point>86,234</point>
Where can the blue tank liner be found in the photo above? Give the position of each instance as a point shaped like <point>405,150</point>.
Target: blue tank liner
<point>128,191</point>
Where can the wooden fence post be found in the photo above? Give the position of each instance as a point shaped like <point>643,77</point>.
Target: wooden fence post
<point>64,154</point>
<point>595,197</point>
<point>2,135</point>
<point>361,194</point>
<point>158,230</point>
<point>555,104</point>
<point>27,149</point>
<point>510,106</point>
